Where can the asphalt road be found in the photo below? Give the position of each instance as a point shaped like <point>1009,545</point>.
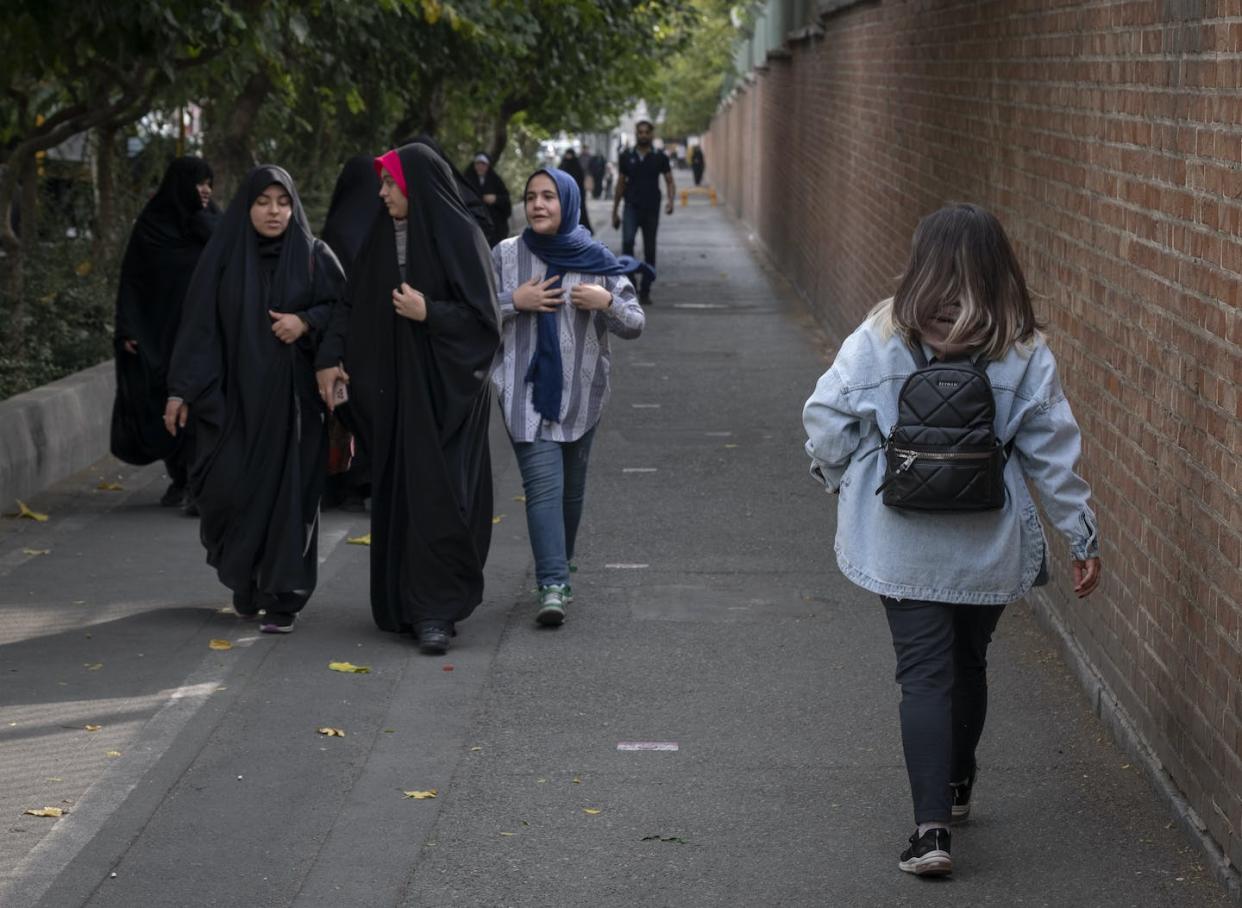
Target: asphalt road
<point>715,725</point>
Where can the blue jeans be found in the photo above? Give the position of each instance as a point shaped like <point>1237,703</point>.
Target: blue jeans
<point>554,478</point>
<point>942,667</point>
<point>649,220</point>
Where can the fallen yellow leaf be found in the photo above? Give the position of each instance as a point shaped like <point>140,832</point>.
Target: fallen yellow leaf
<point>592,811</point>
<point>420,795</point>
<point>331,732</point>
<point>44,812</point>
<point>84,268</point>
<point>577,781</point>
<point>113,753</point>
<point>93,727</point>
<point>55,779</point>
<point>498,518</point>
<point>359,540</point>
<point>508,833</point>
<point>730,446</point>
<point>220,644</point>
<point>105,486</point>
<point>33,552</point>
<point>348,667</point>
<point>93,666</point>
<point>23,510</point>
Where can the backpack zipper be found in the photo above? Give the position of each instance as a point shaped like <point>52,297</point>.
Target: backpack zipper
<point>911,456</point>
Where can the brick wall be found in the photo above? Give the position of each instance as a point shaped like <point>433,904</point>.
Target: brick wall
<point>1107,136</point>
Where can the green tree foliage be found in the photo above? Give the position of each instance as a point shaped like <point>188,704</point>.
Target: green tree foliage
<point>689,91</point>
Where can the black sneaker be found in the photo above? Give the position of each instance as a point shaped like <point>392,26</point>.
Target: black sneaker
<point>174,497</point>
<point>244,605</point>
<point>961,797</point>
<point>928,854</point>
<point>433,637</point>
<point>277,622</point>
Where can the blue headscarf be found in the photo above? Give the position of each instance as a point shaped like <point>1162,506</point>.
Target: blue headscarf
<point>571,248</point>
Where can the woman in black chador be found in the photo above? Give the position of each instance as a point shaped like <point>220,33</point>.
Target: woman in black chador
<point>489,187</point>
<point>243,367</point>
<point>164,247</point>
<point>416,339</point>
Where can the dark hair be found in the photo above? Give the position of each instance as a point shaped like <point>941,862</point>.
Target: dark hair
<point>644,123</point>
<point>960,255</point>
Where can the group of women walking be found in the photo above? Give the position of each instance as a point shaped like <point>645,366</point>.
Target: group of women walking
<point>244,335</point>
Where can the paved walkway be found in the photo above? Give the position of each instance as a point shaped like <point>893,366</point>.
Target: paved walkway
<point>709,615</point>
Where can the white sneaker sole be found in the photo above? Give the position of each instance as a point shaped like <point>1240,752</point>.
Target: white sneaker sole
<point>934,863</point>
<point>551,616</point>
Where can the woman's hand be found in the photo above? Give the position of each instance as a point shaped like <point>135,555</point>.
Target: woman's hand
<point>176,412</point>
<point>538,296</point>
<point>489,198</point>
<point>286,326</point>
<point>327,379</point>
<point>1086,577</point>
<point>409,303</point>
<point>130,345</point>
<point>590,297</point>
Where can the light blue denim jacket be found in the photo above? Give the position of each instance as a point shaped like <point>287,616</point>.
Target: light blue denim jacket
<point>981,557</point>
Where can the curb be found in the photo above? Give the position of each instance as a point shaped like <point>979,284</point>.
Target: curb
<point>1125,733</point>
<point>54,431</point>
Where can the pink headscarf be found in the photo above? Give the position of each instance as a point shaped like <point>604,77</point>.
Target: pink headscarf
<point>391,162</point>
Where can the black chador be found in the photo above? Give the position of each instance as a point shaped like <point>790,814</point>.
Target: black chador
<point>420,400</point>
<point>260,450</point>
<point>355,202</point>
<point>163,249</point>
<point>490,183</point>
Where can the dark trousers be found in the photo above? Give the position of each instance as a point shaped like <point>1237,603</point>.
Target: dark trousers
<point>648,219</point>
<point>942,669</point>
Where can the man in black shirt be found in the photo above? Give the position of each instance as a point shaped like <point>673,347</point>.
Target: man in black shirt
<point>639,184</point>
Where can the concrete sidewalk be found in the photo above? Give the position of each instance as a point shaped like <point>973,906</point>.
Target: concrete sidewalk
<point>709,615</point>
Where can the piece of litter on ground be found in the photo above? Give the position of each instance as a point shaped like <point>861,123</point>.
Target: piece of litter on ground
<point>591,811</point>
<point>647,745</point>
<point>730,446</point>
<point>331,732</point>
<point>498,518</point>
<point>113,753</point>
<point>44,812</point>
<point>624,566</point>
<point>475,749</point>
<point>349,668</point>
<point>92,666</point>
<point>34,552</point>
<point>446,668</point>
<point>421,795</point>
<point>676,839</point>
<point>364,539</point>
<point>508,833</point>
<point>576,780</point>
<point>219,644</point>
<point>55,779</point>
<point>93,727</point>
<point>23,510</point>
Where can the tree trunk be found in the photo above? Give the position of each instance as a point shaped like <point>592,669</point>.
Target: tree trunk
<point>500,126</point>
<point>230,125</point>
<point>423,117</point>
<point>28,213</point>
<point>105,191</point>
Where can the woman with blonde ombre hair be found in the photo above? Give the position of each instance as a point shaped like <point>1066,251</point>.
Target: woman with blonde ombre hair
<point>944,577</point>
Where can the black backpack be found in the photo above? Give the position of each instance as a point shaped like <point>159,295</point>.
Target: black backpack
<point>943,453</point>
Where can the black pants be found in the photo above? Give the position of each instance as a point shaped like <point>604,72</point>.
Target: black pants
<point>942,669</point>
<point>648,220</point>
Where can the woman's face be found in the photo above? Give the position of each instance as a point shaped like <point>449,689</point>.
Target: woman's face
<point>543,205</point>
<point>394,199</point>
<point>480,168</point>
<point>271,211</point>
<point>204,192</point>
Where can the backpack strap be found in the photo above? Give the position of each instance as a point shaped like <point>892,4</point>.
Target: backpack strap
<point>920,358</point>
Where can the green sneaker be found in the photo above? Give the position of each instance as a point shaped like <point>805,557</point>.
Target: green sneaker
<point>552,601</point>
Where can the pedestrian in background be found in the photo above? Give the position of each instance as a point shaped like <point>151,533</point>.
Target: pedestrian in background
<point>697,164</point>
<point>164,247</point>
<point>413,343</point>
<point>572,166</point>
<point>561,295</point>
<point>488,185</point>
<point>639,185</point>
<point>596,166</point>
<point>243,367</point>
<point>945,577</point>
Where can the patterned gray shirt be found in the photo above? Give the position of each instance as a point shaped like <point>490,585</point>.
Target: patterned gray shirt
<point>585,360</point>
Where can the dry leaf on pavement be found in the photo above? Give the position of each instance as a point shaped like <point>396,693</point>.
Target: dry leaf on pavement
<point>359,540</point>
<point>93,727</point>
<point>105,486</point>
<point>92,666</point>
<point>349,668</point>
<point>23,510</point>
<point>33,552</point>
<point>220,644</point>
<point>44,812</point>
<point>590,811</point>
<point>420,795</point>
<point>498,518</point>
<point>331,732</point>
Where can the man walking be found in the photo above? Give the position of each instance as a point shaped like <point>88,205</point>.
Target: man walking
<point>639,184</point>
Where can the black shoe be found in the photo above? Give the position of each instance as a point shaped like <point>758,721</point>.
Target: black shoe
<point>433,637</point>
<point>174,497</point>
<point>277,622</point>
<point>190,508</point>
<point>644,299</point>
<point>961,797</point>
<point>928,854</point>
<point>244,605</point>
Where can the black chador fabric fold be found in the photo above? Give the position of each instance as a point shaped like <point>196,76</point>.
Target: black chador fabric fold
<point>260,449</point>
<point>163,249</point>
<point>420,400</point>
<point>355,203</point>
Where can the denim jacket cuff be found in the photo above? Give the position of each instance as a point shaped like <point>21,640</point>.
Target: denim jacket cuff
<point>1086,544</point>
